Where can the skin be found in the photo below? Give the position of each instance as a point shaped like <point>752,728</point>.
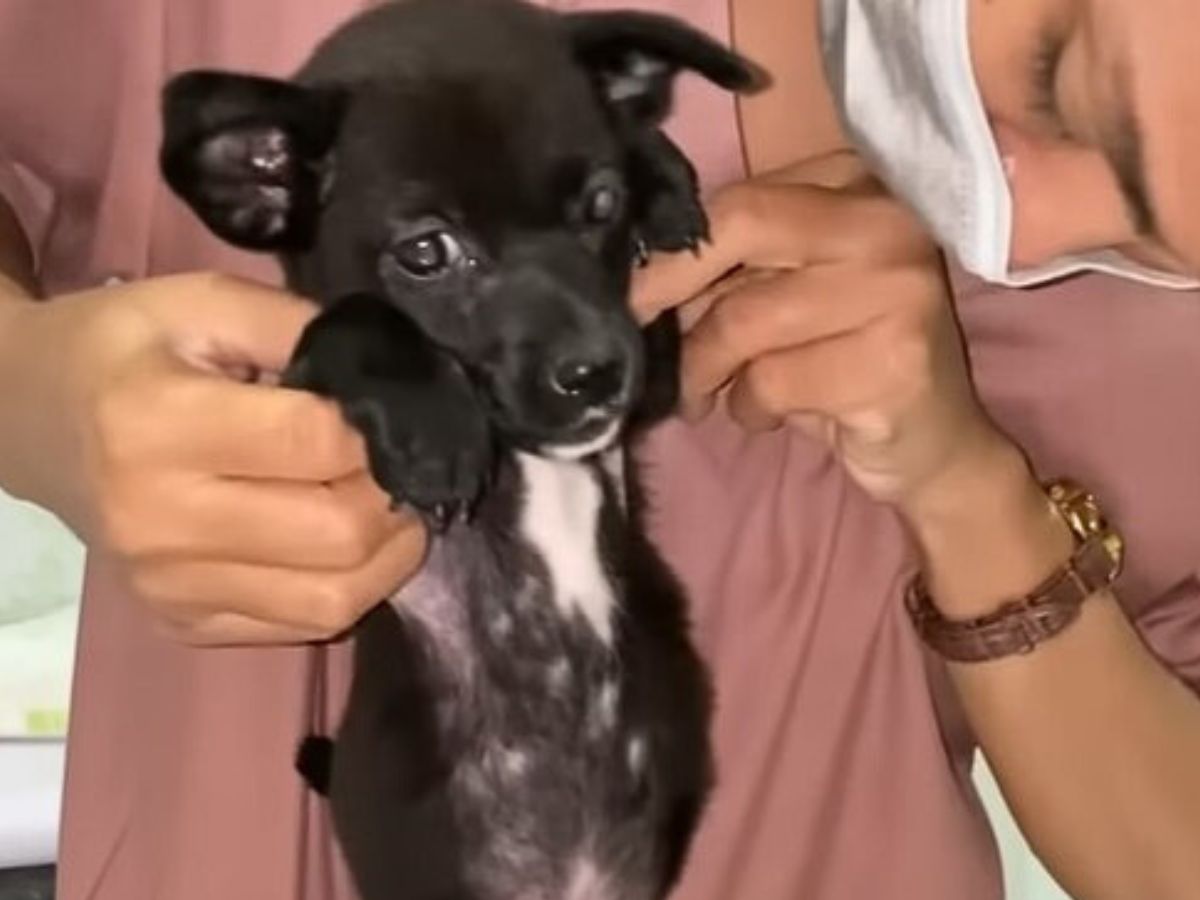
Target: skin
<point>1117,55</point>
<point>188,503</point>
<point>1103,782</point>
<point>17,278</point>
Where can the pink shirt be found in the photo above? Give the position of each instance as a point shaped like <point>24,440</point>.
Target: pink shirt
<point>844,761</point>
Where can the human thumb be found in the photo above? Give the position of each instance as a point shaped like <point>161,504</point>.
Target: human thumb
<point>226,323</point>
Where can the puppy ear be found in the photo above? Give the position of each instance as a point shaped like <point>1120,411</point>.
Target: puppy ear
<point>250,155</point>
<point>635,56</point>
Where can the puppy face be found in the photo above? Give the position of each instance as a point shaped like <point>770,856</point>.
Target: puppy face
<point>502,228</point>
<point>478,165</point>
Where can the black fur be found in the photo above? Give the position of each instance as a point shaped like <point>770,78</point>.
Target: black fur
<point>463,183</point>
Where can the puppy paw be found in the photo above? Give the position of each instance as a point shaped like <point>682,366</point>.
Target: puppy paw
<point>428,445</point>
<point>660,389</point>
<point>672,222</point>
<point>429,442</point>
<point>668,214</point>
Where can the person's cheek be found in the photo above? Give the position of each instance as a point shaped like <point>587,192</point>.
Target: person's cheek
<point>1065,197</point>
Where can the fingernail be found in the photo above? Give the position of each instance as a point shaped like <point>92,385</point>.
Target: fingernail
<point>1010,165</point>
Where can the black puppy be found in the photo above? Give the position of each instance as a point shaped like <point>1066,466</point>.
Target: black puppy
<point>463,184</point>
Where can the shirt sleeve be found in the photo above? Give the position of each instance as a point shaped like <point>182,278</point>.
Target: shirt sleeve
<point>35,104</point>
<point>65,79</point>
<point>31,200</point>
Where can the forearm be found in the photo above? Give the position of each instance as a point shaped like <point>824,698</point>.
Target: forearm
<point>17,277</point>
<point>1096,745</point>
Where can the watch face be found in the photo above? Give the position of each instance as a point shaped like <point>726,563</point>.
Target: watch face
<point>1021,624</point>
<point>1115,546</point>
<point>1078,508</point>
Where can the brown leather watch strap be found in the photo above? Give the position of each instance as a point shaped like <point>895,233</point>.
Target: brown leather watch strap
<point>1019,625</point>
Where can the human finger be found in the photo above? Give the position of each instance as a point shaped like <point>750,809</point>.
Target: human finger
<point>767,225</point>
<point>769,314</point>
<point>324,603</point>
<point>317,525</point>
<point>839,378</point>
<point>169,413</point>
<point>213,320</point>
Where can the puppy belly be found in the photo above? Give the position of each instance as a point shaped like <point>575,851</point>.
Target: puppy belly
<point>433,602</point>
<point>529,786</point>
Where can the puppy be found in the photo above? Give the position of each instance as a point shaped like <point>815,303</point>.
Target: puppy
<point>463,185</point>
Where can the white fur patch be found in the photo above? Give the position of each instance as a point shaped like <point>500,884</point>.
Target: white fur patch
<point>587,882</point>
<point>430,599</point>
<point>560,520</point>
<point>613,462</point>
<point>640,70</point>
<point>515,763</point>
<point>526,598</point>
<point>602,441</point>
<point>500,627</point>
<point>602,717</point>
<point>635,755</point>
<point>558,676</point>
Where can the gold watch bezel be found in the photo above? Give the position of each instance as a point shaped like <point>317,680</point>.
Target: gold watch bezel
<point>1081,512</point>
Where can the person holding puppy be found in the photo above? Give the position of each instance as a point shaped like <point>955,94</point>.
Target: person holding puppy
<point>840,439</point>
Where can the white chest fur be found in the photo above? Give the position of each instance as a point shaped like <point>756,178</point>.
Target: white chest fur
<point>560,520</point>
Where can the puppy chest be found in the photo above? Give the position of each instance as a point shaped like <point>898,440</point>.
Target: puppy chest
<point>552,779</point>
<point>544,823</point>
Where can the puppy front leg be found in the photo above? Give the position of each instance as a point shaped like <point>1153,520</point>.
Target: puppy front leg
<point>667,214</point>
<point>428,440</point>
<point>660,391</point>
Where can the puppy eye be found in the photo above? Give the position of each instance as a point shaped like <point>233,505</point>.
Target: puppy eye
<point>601,205</point>
<point>601,201</point>
<point>428,255</point>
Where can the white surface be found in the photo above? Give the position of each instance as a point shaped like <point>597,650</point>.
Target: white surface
<point>36,658</point>
<point>40,565</point>
<point>30,795</point>
<point>1024,876</point>
<point>41,571</point>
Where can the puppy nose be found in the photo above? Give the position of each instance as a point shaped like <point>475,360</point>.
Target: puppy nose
<point>590,378</point>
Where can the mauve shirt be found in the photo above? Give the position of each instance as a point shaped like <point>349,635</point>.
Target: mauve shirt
<point>843,758</point>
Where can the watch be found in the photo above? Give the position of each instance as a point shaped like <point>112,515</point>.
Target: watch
<point>1019,625</point>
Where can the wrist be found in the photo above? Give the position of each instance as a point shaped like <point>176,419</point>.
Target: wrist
<point>13,290</point>
<point>14,343</point>
<point>18,279</point>
<point>11,304</point>
<point>986,531</point>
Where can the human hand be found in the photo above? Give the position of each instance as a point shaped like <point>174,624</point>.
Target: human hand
<point>820,302</point>
<point>238,512</point>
